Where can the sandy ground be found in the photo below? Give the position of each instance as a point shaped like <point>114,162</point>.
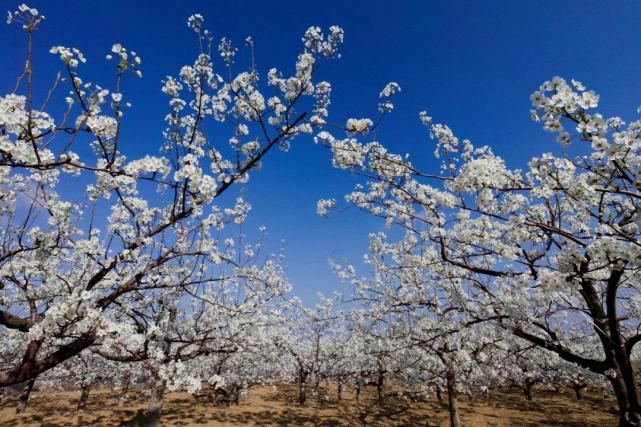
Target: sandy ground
<point>263,408</point>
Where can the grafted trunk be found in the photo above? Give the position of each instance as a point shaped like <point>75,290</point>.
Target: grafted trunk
<point>24,396</point>
<point>452,400</point>
<point>84,396</point>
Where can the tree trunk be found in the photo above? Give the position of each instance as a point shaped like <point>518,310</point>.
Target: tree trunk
<point>358,392</point>
<point>608,328</point>
<point>578,390</point>
<point>452,400</point>
<point>123,395</point>
<point>24,396</point>
<point>84,396</point>
<point>156,400</point>
<point>527,390</point>
<point>152,417</point>
<point>629,411</point>
<point>122,400</point>
<point>316,386</point>
<point>438,394</point>
<point>339,390</point>
<point>302,392</point>
<point>380,388</point>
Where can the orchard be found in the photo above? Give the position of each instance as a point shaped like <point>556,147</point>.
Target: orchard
<point>140,276</point>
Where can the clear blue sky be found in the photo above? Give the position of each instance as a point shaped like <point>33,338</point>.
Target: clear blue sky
<point>471,64</point>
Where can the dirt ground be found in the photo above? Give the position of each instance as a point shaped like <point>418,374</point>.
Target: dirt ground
<point>264,408</point>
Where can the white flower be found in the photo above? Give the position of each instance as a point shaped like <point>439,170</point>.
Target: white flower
<point>324,205</point>
<point>385,105</point>
<point>354,126</point>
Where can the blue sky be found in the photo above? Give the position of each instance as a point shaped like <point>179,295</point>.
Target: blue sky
<point>470,64</point>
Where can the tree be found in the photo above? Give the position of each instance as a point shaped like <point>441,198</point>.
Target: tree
<point>71,273</point>
<point>550,253</point>
<point>305,338</point>
<point>418,311</point>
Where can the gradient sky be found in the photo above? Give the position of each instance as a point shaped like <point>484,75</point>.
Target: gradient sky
<point>470,64</point>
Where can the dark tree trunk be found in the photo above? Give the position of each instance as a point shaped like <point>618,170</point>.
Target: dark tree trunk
<point>302,392</point>
<point>578,390</point>
<point>629,411</point>
<point>617,350</point>
<point>380,388</point>
<point>527,390</point>
<point>438,394</point>
<point>84,396</point>
<point>339,391</point>
<point>358,392</point>
<point>24,396</point>
<point>452,400</point>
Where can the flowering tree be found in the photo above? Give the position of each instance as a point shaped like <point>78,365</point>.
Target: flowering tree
<point>95,245</point>
<point>432,334</point>
<point>305,337</point>
<point>178,333</point>
<point>85,371</point>
<point>550,253</point>
<point>529,367</point>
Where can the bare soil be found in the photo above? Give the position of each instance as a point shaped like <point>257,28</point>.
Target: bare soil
<point>265,408</point>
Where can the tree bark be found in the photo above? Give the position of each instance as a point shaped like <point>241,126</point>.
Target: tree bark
<point>156,400</point>
<point>123,395</point>
<point>24,396</point>
<point>84,396</point>
<point>380,388</point>
<point>629,413</point>
<point>578,389</point>
<point>316,386</point>
<point>527,390</point>
<point>452,400</point>
<point>302,392</point>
